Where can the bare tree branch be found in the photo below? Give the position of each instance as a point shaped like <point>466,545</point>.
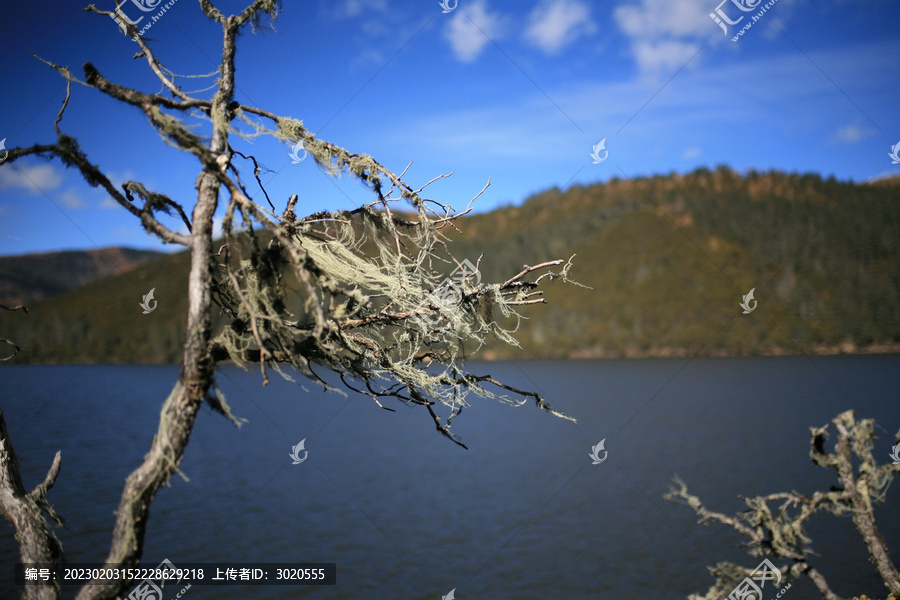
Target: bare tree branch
<point>362,293</point>
<point>780,533</point>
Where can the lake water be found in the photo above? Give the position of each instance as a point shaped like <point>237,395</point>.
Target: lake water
<point>407,514</point>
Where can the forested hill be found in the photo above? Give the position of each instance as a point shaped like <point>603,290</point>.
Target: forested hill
<point>32,277</point>
<point>668,259</point>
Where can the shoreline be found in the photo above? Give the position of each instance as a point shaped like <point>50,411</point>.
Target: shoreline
<point>845,349</point>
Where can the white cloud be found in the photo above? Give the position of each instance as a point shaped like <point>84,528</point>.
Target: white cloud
<point>470,30</point>
<point>354,8</point>
<point>669,18</point>
<point>35,179</point>
<point>558,23</point>
<point>664,33</point>
<point>666,56</point>
<point>108,203</point>
<point>40,179</point>
<point>852,134</point>
<point>71,199</point>
<point>529,128</point>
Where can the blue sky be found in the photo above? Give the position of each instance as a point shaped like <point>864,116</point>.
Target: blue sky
<point>518,92</point>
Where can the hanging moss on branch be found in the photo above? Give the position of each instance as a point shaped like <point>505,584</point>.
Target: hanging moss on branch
<point>362,293</point>
<point>778,531</point>
<point>370,286</point>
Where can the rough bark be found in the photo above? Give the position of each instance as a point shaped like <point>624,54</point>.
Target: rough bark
<point>37,544</point>
<point>180,409</point>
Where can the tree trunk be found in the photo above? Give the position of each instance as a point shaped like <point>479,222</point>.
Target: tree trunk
<point>24,511</point>
<point>179,410</point>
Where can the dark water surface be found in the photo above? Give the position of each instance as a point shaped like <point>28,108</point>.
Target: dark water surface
<point>406,514</point>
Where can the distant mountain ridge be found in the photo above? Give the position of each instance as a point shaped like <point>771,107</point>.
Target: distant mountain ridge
<point>668,260</point>
<point>32,277</point>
